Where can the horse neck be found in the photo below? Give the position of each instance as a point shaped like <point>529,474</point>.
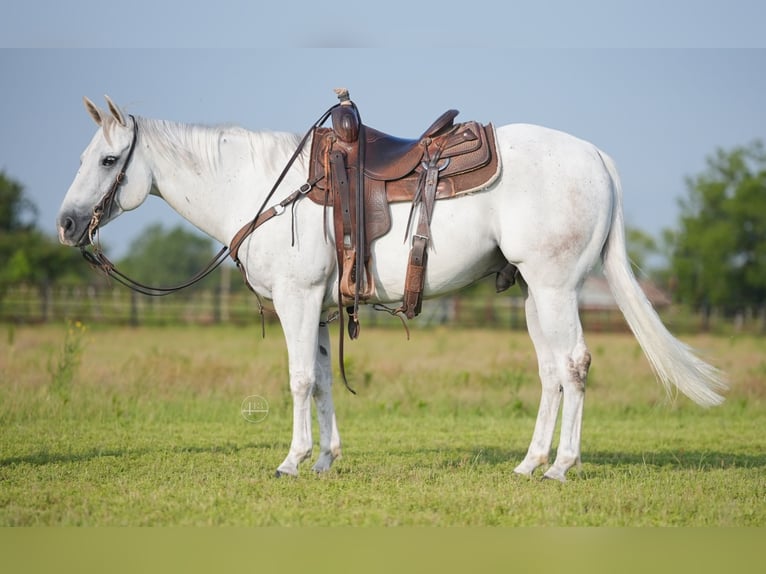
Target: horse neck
<point>217,177</point>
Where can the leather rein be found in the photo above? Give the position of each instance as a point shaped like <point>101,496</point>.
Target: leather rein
<point>98,259</point>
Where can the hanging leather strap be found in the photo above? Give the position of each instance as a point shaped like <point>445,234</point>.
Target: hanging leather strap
<point>416,266</point>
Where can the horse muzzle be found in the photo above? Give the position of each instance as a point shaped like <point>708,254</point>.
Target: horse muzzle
<point>73,229</point>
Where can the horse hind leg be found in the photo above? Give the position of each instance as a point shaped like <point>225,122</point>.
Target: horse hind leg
<point>550,399</point>
<point>568,453</point>
<point>554,326</point>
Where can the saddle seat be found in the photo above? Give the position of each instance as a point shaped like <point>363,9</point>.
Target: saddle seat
<point>390,157</point>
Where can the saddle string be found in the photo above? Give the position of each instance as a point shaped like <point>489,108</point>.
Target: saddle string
<point>396,312</point>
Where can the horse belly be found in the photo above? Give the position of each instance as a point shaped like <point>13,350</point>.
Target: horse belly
<point>461,251</point>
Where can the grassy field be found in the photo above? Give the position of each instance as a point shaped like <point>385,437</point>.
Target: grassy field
<point>110,426</point>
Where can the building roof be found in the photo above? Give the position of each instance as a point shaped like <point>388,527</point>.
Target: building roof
<point>595,293</point>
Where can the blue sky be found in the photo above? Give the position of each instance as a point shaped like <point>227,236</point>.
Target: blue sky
<point>658,112</point>
<point>423,26</point>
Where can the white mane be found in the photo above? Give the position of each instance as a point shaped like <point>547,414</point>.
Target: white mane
<point>202,147</point>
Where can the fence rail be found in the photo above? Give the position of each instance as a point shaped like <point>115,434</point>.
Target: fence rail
<point>118,306</point>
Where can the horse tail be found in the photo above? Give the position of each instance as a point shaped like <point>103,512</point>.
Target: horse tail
<point>674,363</point>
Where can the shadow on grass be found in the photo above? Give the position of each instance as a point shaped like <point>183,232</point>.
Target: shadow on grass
<point>436,458</point>
<point>44,457</point>
<point>681,460</point>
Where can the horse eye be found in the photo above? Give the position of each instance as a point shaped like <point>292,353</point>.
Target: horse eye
<point>108,161</point>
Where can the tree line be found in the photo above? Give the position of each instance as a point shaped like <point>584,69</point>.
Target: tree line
<point>714,260</point>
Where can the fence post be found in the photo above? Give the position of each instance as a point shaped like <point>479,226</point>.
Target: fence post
<point>133,308</point>
<point>47,302</point>
<point>221,311</point>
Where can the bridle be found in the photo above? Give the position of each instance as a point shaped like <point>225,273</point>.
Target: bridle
<point>95,256</point>
<point>98,260</point>
<point>107,202</point>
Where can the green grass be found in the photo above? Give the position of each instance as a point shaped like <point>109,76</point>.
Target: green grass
<point>149,432</point>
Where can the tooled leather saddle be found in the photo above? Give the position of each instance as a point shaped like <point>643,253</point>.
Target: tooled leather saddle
<point>359,171</point>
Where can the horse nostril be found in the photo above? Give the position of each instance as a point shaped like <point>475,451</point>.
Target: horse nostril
<point>67,229</point>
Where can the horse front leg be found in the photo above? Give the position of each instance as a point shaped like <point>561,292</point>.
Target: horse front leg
<point>329,438</point>
<point>299,317</point>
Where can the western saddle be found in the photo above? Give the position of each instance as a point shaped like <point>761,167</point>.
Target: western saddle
<point>359,171</point>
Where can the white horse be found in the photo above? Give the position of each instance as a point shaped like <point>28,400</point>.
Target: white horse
<point>553,212</point>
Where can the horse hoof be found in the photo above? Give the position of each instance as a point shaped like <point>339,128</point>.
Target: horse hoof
<point>557,476</point>
<point>526,468</point>
<point>280,474</point>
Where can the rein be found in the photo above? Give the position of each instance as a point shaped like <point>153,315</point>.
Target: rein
<point>97,259</point>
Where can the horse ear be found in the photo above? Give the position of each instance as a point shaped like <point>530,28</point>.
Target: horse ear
<point>116,113</point>
<point>93,110</point>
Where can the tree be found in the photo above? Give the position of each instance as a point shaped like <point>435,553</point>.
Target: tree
<point>719,251</point>
<point>17,213</point>
<point>641,247</point>
<point>163,258</point>
<point>26,254</point>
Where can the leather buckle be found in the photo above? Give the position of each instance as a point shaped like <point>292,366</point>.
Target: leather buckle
<point>426,165</point>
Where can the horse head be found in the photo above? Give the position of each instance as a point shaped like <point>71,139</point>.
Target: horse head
<point>111,178</point>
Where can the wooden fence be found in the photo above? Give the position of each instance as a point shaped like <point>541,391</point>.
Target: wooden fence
<point>481,308</point>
